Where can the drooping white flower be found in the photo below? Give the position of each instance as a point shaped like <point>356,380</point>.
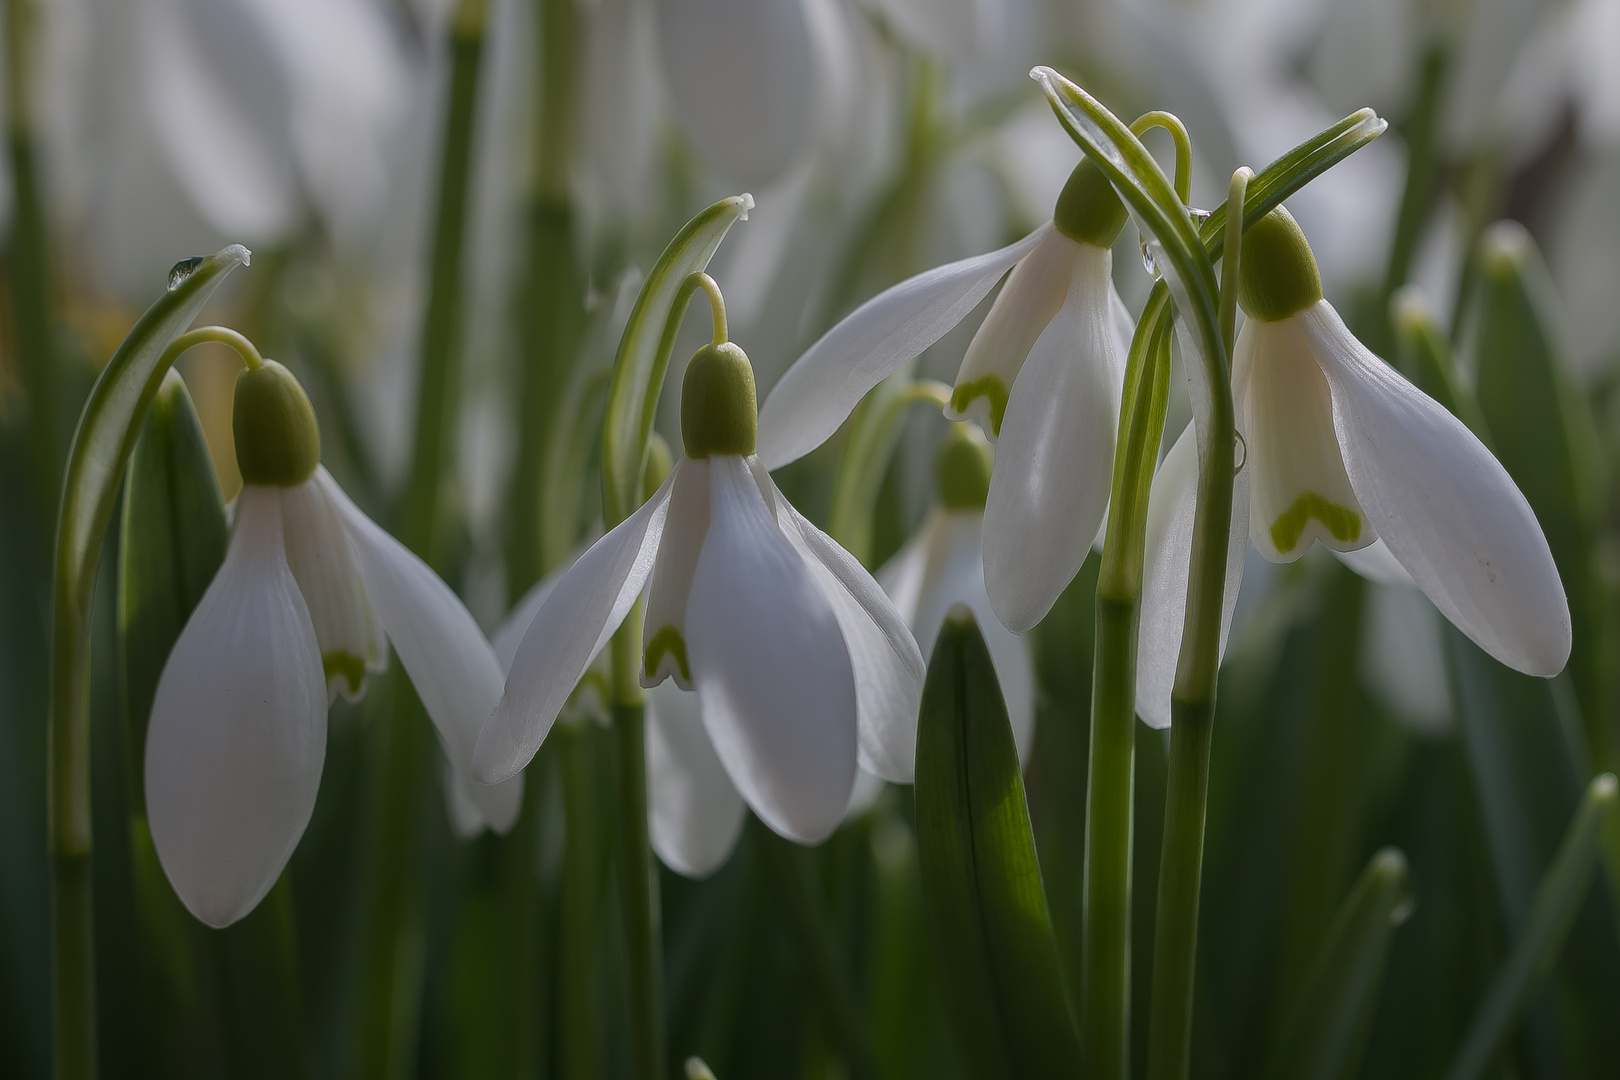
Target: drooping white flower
<point>800,664</point>
<point>1340,449</point>
<point>1043,375</point>
<point>309,596</point>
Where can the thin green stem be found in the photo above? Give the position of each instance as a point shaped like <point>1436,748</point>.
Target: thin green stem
<point>818,949</point>
<point>577,1032</point>
<point>217,335</point>
<point>1105,924</point>
<point>874,432</point>
<point>1170,122</point>
<point>1422,135</point>
<point>717,306</point>
<point>1235,196</point>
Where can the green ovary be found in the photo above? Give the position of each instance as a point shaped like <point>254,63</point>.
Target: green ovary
<point>989,387</point>
<point>351,667</point>
<point>1341,522</point>
<point>667,640</point>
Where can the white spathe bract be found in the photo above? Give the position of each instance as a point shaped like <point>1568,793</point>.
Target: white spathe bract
<point>800,664</point>
<point>238,730</point>
<point>1043,375</point>
<point>942,566</point>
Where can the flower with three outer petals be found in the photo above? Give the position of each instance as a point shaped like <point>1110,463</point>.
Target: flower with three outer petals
<point>1043,375</point>
<point>1340,449</point>
<point>297,614</point>
<point>800,664</point>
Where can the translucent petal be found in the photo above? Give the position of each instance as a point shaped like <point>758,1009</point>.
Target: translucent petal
<point>695,815</point>
<point>1049,486</point>
<point>888,666</point>
<point>450,663</point>
<point>576,620</point>
<point>323,564</point>
<point>1300,492</point>
<point>825,384</point>
<point>1034,294</point>
<point>1447,509</point>
<point>466,819</point>
<point>911,571</point>
<point>663,636</point>
<point>774,680</point>
<point>238,730</point>
<point>1167,559</point>
<point>1375,563</point>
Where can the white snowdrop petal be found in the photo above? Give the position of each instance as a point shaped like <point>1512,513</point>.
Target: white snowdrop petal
<point>323,563</point>
<point>466,818</point>
<point>1034,293</point>
<point>961,581</point>
<point>904,576</point>
<point>825,384</point>
<point>888,666</point>
<point>1300,491</point>
<point>663,635</point>
<point>581,613</point>
<point>773,676</point>
<point>863,796</point>
<point>1375,563</point>
<point>451,664</point>
<point>238,730</point>
<point>1167,562</point>
<point>1445,507</point>
<point>509,635</point>
<point>1054,462</point>
<point>695,815</point>
<point>742,77</point>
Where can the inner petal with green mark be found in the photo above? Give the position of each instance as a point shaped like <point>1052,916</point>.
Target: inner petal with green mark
<point>992,391</point>
<point>345,673</point>
<point>1299,490</point>
<point>666,656</point>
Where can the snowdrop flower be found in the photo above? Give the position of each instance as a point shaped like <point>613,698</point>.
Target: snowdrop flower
<point>1341,450</point>
<point>1043,375</point>
<point>943,565</point>
<point>297,614</point>
<point>800,664</point>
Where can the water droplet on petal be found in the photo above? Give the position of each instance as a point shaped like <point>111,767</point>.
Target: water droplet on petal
<point>1149,264</point>
<point>180,271</point>
<point>1199,216</point>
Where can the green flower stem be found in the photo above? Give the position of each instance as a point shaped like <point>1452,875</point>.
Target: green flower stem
<point>1105,924</point>
<point>1192,702</point>
<point>581,897</point>
<point>552,310</point>
<point>818,949</point>
<point>392,946</point>
<point>1178,133</point>
<point>1422,176</point>
<point>874,431</point>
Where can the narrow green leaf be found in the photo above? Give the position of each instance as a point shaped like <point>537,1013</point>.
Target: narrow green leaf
<point>992,930</point>
<point>1423,354</point>
<point>1327,1029</point>
<point>638,370</point>
<point>1562,891</point>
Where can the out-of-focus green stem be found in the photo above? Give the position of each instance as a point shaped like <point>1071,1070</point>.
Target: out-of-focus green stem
<point>1105,921</point>
<point>873,432</point>
<point>1422,173</point>
<point>577,1032</point>
<point>1192,700</point>
<point>551,304</point>
<point>392,948</point>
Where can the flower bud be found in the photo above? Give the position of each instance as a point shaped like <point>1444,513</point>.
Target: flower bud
<point>718,410</point>
<point>962,469</point>
<point>277,439</point>
<point>1277,275</point>
<point>1088,211</point>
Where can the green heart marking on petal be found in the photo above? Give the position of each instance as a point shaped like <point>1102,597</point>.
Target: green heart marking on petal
<point>989,387</point>
<point>1341,521</point>
<point>668,640</point>
<point>351,667</point>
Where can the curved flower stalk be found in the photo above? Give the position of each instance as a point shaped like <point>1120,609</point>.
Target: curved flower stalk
<point>800,664</point>
<point>1042,375</point>
<point>310,594</point>
<point>1343,451</point>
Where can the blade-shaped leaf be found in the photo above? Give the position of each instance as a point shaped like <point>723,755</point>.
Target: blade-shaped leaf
<point>992,930</point>
<point>1327,1028</point>
<point>638,370</point>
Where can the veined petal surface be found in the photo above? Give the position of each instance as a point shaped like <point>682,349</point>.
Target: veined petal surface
<point>1445,506</point>
<point>1166,566</point>
<point>238,731</point>
<point>581,613</point>
<point>1300,491</point>
<point>323,564</point>
<point>663,635</point>
<point>1034,293</point>
<point>888,666</point>
<point>695,815</point>
<point>773,676</point>
<point>825,384</point>
<point>451,664</point>
<point>1054,463</point>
